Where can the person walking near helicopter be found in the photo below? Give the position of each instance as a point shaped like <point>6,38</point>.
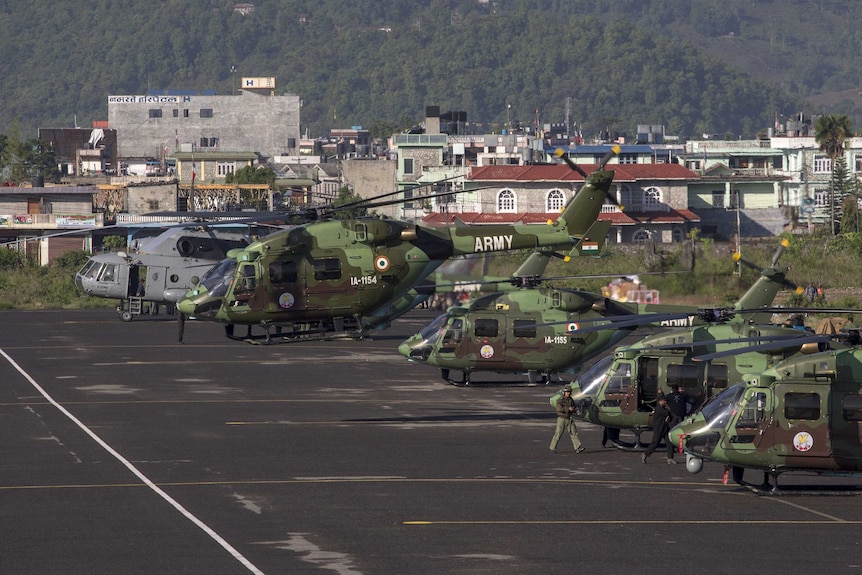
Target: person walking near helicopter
<point>661,418</point>
<point>677,402</point>
<point>565,422</point>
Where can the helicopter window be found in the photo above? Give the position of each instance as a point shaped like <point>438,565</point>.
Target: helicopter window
<point>753,412</point>
<point>90,269</point>
<point>687,375</point>
<point>217,280</point>
<point>802,406</point>
<point>716,377</point>
<point>452,336</point>
<point>327,269</point>
<point>361,231</point>
<point>524,327</point>
<point>282,272</point>
<point>247,278</point>
<point>720,408</point>
<point>621,379</point>
<point>108,273</point>
<point>594,375</point>
<point>485,327</point>
<point>851,405</point>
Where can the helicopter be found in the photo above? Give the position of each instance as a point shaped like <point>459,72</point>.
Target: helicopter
<point>802,414</point>
<point>169,264</point>
<point>516,331</point>
<point>620,390</point>
<point>323,278</point>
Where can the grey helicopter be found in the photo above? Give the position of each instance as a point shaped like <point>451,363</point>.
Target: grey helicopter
<point>157,270</point>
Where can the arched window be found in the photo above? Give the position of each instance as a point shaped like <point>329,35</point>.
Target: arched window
<point>677,235</point>
<point>641,236</point>
<point>506,201</point>
<point>555,201</point>
<point>652,199</point>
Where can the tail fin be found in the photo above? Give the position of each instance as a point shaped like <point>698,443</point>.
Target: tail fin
<point>593,240</point>
<point>583,210</point>
<point>767,286</point>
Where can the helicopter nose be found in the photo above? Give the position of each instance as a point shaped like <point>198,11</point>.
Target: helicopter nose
<point>186,307</point>
<point>404,349</point>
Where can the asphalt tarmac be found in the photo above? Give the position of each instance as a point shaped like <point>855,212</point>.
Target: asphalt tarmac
<point>124,452</point>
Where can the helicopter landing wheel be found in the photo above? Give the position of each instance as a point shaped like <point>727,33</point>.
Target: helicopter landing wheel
<point>126,315</point>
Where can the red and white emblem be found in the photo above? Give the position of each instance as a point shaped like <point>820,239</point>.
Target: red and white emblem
<point>286,300</point>
<point>803,441</point>
<point>487,351</point>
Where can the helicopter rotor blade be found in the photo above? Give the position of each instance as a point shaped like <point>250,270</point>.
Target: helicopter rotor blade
<point>782,246</point>
<point>615,150</point>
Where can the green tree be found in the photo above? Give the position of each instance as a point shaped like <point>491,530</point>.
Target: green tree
<point>347,198</point>
<point>830,132</point>
<point>251,175</point>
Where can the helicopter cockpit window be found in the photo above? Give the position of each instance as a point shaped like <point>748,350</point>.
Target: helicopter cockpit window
<point>282,272</point>
<point>621,379</point>
<point>91,269</point>
<point>524,327</point>
<point>590,380</point>
<point>327,269</point>
<point>109,272</point>
<point>802,406</point>
<point>718,410</point>
<point>851,406</point>
<point>486,327</point>
<point>361,230</point>
<point>218,279</point>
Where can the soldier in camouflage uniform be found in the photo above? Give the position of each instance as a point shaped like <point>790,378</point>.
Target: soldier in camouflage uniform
<point>565,411</point>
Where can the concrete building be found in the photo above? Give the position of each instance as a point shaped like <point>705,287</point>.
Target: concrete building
<point>161,123</point>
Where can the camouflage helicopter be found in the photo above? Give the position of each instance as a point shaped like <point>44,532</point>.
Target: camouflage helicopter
<point>168,264</point>
<point>338,277</point>
<point>802,414</point>
<point>519,330</point>
<point>620,391</point>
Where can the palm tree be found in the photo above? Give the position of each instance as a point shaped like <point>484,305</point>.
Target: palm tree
<point>831,131</point>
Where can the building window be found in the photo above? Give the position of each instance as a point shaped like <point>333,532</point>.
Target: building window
<point>822,165</point>
<point>506,201</point>
<point>857,161</point>
<point>676,235</point>
<point>155,113</point>
<point>640,236</point>
<point>555,202</point>
<point>718,198</point>
<point>652,199</point>
<point>185,113</point>
<point>408,165</point>
<point>176,113</point>
<point>633,201</point>
<point>153,205</point>
<point>225,168</point>
<point>821,197</point>
<point>628,159</point>
<point>206,112</point>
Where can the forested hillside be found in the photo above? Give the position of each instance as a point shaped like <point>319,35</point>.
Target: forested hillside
<point>697,66</point>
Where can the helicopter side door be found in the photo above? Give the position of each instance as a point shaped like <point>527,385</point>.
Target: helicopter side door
<point>846,423</point>
<point>802,430</point>
<point>620,395</point>
<point>486,338</point>
<point>750,431</point>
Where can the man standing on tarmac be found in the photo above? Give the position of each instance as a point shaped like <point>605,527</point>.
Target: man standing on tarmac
<point>565,410</point>
<point>677,403</point>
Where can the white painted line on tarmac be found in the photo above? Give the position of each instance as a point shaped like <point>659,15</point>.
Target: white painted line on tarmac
<point>186,513</point>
